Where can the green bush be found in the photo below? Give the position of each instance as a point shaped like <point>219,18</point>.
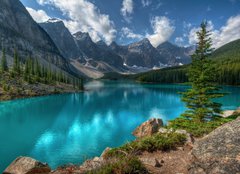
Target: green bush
<point>159,141</point>
<point>199,129</point>
<point>125,165</point>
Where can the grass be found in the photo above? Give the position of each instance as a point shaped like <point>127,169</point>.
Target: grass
<point>200,129</point>
<point>159,141</point>
<point>125,165</point>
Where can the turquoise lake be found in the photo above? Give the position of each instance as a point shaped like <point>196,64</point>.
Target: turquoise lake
<point>70,128</point>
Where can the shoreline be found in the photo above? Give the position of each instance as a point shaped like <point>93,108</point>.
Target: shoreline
<point>157,161</point>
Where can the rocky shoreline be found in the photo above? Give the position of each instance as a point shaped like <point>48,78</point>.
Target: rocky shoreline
<point>217,152</point>
<point>37,90</point>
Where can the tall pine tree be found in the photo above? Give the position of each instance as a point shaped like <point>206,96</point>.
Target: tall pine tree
<point>202,76</point>
<point>4,66</point>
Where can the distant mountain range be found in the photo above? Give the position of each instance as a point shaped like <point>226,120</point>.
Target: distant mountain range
<point>135,57</point>
<point>226,60</point>
<point>52,43</point>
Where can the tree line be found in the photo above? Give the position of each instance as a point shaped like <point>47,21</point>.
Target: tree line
<point>228,73</point>
<point>34,72</point>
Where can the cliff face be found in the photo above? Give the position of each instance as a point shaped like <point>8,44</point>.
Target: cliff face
<point>18,30</point>
<point>62,38</point>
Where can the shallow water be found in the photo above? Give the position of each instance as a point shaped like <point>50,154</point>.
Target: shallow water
<point>70,128</point>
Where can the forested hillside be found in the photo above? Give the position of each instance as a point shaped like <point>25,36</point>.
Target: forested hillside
<point>226,59</point>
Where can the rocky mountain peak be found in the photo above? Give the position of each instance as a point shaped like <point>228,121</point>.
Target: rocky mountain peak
<point>83,36</point>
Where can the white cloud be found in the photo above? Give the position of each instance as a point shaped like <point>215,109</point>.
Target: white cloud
<point>227,33</point>
<point>86,17</point>
<point>146,3</point>
<point>38,15</point>
<point>162,30</point>
<point>127,9</point>
<point>179,41</point>
<point>126,32</point>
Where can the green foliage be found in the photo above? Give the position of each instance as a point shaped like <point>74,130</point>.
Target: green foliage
<point>166,75</point>
<point>200,129</point>
<point>202,75</point>
<point>125,165</point>
<point>34,72</point>
<point>4,66</point>
<point>159,141</point>
<point>16,63</point>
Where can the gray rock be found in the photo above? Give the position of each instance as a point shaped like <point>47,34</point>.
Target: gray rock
<point>19,30</point>
<point>190,139</point>
<point>148,128</point>
<point>218,152</point>
<point>26,165</point>
<point>93,164</point>
<point>104,153</point>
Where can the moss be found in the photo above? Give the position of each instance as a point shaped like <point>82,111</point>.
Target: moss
<point>202,128</point>
<point>125,165</point>
<point>159,141</point>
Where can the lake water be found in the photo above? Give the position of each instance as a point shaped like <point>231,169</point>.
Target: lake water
<point>70,128</point>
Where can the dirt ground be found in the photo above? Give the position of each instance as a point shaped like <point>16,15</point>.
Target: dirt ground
<point>172,162</point>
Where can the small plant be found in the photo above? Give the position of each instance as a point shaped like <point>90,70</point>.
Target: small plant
<point>200,129</point>
<point>128,164</point>
<point>159,141</point>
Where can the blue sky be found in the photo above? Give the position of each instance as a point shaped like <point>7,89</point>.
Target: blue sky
<point>126,21</point>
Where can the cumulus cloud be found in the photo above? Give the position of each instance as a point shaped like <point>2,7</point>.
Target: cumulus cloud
<point>146,3</point>
<point>162,30</point>
<point>38,15</point>
<point>86,17</point>
<point>128,33</point>
<point>127,9</point>
<point>227,33</point>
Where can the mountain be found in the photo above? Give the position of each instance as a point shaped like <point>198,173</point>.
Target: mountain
<point>175,55</point>
<point>143,54</point>
<point>98,52</point>
<point>230,50</point>
<point>226,60</point>
<point>18,30</point>
<point>62,38</point>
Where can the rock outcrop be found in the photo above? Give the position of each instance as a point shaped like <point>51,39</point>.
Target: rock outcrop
<point>26,165</point>
<point>218,152</point>
<point>148,128</point>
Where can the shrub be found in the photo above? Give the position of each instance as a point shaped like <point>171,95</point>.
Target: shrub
<point>200,129</point>
<point>159,141</point>
<point>125,165</point>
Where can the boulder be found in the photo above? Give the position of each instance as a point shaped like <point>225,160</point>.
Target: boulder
<point>26,165</point>
<point>148,128</point>
<point>93,164</point>
<point>218,152</point>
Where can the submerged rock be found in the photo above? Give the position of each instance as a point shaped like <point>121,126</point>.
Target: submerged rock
<point>26,165</point>
<point>218,152</point>
<point>148,128</point>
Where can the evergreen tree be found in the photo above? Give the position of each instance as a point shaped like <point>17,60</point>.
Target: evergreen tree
<point>4,65</point>
<point>202,75</point>
<point>16,63</point>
